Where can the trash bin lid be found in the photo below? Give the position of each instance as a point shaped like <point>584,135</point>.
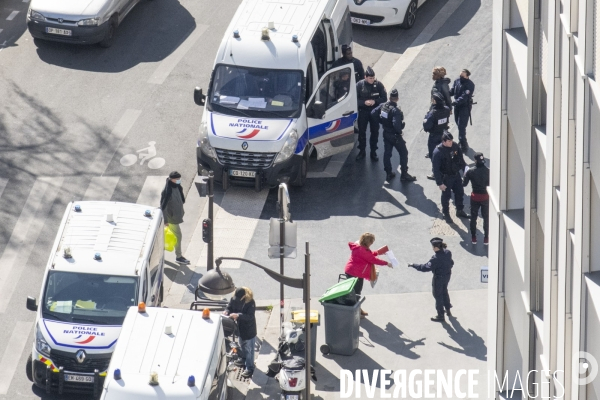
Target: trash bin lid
<point>339,289</point>
<point>298,316</point>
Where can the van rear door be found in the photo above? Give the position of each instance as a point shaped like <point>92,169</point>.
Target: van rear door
<point>331,112</point>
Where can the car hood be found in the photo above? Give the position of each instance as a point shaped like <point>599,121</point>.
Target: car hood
<point>247,129</point>
<point>68,8</point>
<point>80,336</point>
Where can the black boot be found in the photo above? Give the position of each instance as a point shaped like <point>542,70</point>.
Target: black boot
<point>361,155</point>
<point>389,176</point>
<point>438,318</point>
<point>374,156</point>
<point>448,218</point>
<point>461,214</point>
<point>406,177</point>
<point>448,313</point>
<point>464,146</point>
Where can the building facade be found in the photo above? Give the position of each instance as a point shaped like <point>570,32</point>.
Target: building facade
<point>544,284</point>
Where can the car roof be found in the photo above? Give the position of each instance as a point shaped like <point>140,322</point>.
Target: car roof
<point>122,242</point>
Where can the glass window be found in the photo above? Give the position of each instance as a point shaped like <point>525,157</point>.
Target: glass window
<point>97,299</point>
<point>333,89</point>
<point>309,82</point>
<point>256,92</point>
<point>156,257</point>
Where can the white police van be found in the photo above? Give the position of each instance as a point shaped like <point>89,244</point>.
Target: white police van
<point>273,97</point>
<point>107,256</point>
<point>166,353</point>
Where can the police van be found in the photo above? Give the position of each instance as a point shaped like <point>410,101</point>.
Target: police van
<point>107,256</point>
<point>274,97</point>
<point>166,353</point>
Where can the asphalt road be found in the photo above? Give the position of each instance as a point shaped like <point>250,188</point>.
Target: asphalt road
<point>70,113</point>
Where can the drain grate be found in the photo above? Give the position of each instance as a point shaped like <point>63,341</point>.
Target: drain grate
<point>238,375</point>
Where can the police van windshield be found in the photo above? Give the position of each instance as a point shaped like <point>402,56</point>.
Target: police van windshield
<point>88,298</point>
<point>256,92</point>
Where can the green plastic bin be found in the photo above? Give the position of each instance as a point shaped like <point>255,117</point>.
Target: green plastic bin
<point>340,289</point>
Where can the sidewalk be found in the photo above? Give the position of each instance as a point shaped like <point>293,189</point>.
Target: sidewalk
<point>397,335</point>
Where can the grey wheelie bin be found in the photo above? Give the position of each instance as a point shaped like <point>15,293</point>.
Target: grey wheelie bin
<point>341,311</point>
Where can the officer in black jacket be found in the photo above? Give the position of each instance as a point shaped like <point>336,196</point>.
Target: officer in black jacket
<point>436,123</point>
<point>447,163</point>
<point>480,180</point>
<point>441,265</point>
<point>241,308</point>
<point>462,90</point>
<point>392,119</point>
<point>370,93</point>
<point>347,58</point>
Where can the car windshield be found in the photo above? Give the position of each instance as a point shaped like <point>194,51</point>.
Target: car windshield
<point>88,298</point>
<point>256,92</point>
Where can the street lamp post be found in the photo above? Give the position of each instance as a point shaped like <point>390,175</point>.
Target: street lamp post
<point>205,186</point>
<point>218,283</point>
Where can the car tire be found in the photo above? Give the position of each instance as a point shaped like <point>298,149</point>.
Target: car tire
<point>29,368</point>
<point>109,36</point>
<point>301,178</point>
<point>410,16</point>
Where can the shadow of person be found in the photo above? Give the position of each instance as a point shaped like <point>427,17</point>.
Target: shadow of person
<point>392,339</point>
<point>471,345</point>
<point>415,197</point>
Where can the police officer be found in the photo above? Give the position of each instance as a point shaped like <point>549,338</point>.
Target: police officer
<point>392,120</point>
<point>436,123</point>
<point>447,163</point>
<point>462,90</point>
<point>480,180</point>
<point>371,93</point>
<point>441,265</point>
<point>347,58</point>
<point>342,85</point>
<point>441,85</point>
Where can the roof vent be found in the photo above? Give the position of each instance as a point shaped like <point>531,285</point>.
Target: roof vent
<point>168,330</point>
<point>67,253</point>
<point>77,208</point>
<point>147,213</point>
<point>109,218</point>
<point>295,38</point>
<point>271,25</point>
<point>265,34</point>
<point>236,34</point>
<point>97,257</point>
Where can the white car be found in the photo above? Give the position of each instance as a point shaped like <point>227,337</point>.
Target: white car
<point>384,12</point>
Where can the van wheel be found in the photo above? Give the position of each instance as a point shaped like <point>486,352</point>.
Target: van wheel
<point>29,368</point>
<point>301,178</point>
<point>410,16</point>
<point>110,34</point>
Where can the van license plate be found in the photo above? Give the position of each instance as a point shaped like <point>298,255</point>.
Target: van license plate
<point>360,21</point>
<point>242,174</point>
<point>79,378</point>
<point>56,31</point>
<point>292,397</point>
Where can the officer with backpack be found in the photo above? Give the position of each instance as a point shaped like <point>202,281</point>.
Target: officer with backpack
<point>436,123</point>
<point>392,119</point>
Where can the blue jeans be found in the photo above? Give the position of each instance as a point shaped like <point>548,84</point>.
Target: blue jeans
<point>248,352</point>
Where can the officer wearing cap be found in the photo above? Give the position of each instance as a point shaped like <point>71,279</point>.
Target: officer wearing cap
<point>392,119</point>
<point>441,265</point>
<point>447,162</point>
<point>347,58</point>
<point>370,93</point>
<point>436,123</point>
<point>479,176</point>
<point>462,90</point>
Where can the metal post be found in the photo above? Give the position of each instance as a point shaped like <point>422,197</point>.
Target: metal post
<point>307,333</point>
<point>209,253</point>
<point>281,256</point>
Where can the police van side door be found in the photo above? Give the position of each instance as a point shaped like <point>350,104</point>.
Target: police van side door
<point>331,112</point>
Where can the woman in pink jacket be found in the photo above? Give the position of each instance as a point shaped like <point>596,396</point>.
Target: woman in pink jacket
<point>359,264</point>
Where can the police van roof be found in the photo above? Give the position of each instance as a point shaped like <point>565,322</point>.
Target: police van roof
<point>289,17</point>
<point>145,346</point>
<point>122,243</point>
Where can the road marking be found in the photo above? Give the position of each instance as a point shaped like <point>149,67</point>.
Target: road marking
<point>417,45</point>
<point>12,16</point>
<point>101,188</point>
<point>1,30</point>
<point>12,353</point>
<point>150,194</point>
<point>3,181</point>
<point>117,135</point>
<point>153,163</point>
<point>168,64</point>
<point>333,167</point>
<point>25,235</point>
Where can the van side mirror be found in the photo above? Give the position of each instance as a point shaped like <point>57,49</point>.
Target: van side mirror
<point>199,98</point>
<point>32,303</point>
<point>318,110</point>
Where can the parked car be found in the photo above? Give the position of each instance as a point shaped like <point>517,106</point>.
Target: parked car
<point>384,12</point>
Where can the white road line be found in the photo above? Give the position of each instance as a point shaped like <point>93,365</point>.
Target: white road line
<point>417,45</point>
<point>12,15</point>
<point>3,181</point>
<point>119,132</point>
<point>27,236</point>
<point>333,167</point>
<point>1,30</point>
<point>168,64</point>
<point>12,353</point>
<point>101,188</point>
<point>150,194</point>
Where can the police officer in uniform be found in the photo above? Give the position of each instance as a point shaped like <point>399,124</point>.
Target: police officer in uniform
<point>392,120</point>
<point>436,123</point>
<point>479,176</point>
<point>441,265</point>
<point>348,58</point>
<point>462,90</point>
<point>447,163</point>
<point>371,93</point>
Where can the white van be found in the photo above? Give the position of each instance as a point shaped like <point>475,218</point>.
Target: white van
<point>107,257</point>
<point>273,97</point>
<point>166,353</point>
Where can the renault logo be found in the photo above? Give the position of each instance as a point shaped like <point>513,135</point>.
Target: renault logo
<point>80,356</point>
<point>60,20</point>
<point>245,146</point>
